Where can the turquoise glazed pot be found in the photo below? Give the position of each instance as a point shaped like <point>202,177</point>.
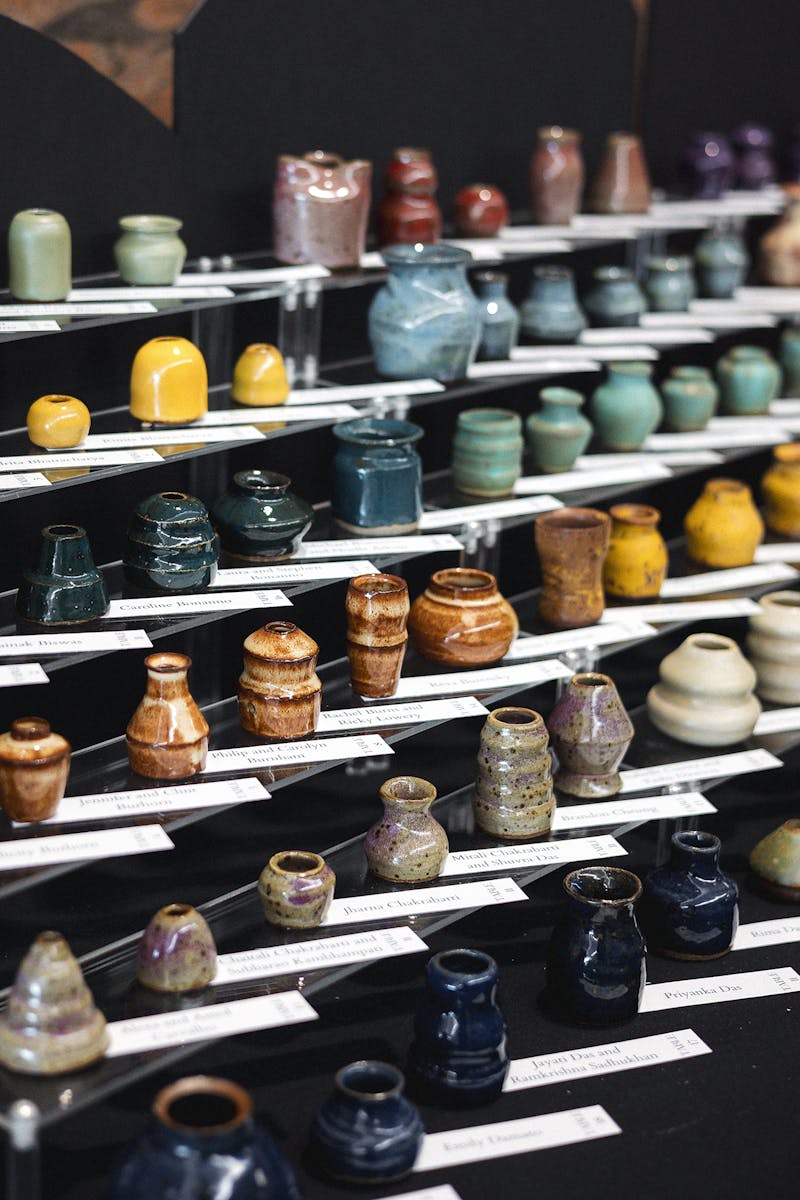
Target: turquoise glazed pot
<point>551,313</point>
<point>499,318</point>
<point>487,451</point>
<point>690,398</point>
<point>749,380</point>
<point>170,544</point>
<point>670,283</point>
<point>721,261</point>
<point>425,321</point>
<point>65,587</point>
<point>377,476</point>
<point>790,361</point>
<point>259,519</point>
<point>689,907</point>
<point>558,432</point>
<point>615,298</point>
<point>39,255</point>
<point>149,250</point>
<point>626,408</point>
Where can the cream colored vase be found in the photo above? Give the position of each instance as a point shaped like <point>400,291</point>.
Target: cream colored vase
<point>773,647</point>
<point>705,693</point>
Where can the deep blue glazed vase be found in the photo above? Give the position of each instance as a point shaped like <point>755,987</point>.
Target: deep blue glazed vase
<point>551,313</point>
<point>170,545</point>
<point>615,298</point>
<point>596,960</point>
<point>721,261</point>
<point>708,165</point>
<point>499,317</point>
<point>689,907</point>
<point>670,283</point>
<point>487,451</point>
<point>367,1131</point>
<point>377,476</point>
<point>259,519</point>
<point>65,587</point>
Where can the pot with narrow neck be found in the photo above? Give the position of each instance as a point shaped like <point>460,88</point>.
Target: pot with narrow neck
<point>721,261</point>
<point>551,313</point>
<point>559,432</point>
<point>749,380</point>
<point>780,486</point>
<point>689,907</point>
<point>704,695</point>
<point>167,736</point>
<point>723,527</point>
<point>614,299</point>
<point>690,399</point>
<point>280,693</point>
<point>407,845</point>
<point>670,283</point>
<point>259,519</point>
<point>499,317</point>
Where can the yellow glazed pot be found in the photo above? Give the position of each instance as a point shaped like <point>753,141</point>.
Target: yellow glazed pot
<point>259,377</point>
<point>723,527</point>
<point>169,382</point>
<point>58,422</point>
<point>636,563</point>
<point>781,490</point>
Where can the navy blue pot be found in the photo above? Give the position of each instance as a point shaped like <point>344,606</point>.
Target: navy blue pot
<point>596,960</point>
<point>170,544</point>
<point>458,1055</point>
<point>615,299</point>
<point>551,313</point>
<point>377,476</point>
<point>65,587</point>
<point>690,908</point>
<point>259,519</point>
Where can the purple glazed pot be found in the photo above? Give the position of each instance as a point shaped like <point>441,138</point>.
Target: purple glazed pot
<point>296,889</point>
<point>590,731</point>
<point>407,845</point>
<point>708,165</point>
<point>320,209</point>
<point>177,952</point>
<point>755,165</point>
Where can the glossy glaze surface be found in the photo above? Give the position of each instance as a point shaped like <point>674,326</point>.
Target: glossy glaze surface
<point>707,165</point>
<point>704,695</point>
<point>296,888</point>
<point>636,562</point>
<point>755,165</point>
<point>169,382</point>
<point>259,518</point>
<point>461,619</point>
<point>690,398</point>
<point>64,587</point>
<point>177,952</point>
<point>409,213</point>
<point>776,860</point>
<point>499,317</point>
<point>167,736</point>
<point>39,255</point>
<point>723,527</point>
<point>556,175</point>
<point>690,907</point>
<point>614,299</point>
<point>34,767</point>
<point>572,544</point>
<point>780,486</point>
<point>376,608</point>
<point>320,209</point>
<point>150,250</point>
<point>170,544</point>
<point>590,731</point>
<point>480,210</point>
<point>377,476</point>
<point>259,376</point>
<point>721,262</point>
<point>58,422</point>
<point>407,845</point>
<point>622,182</point>
<point>279,690</point>
<point>487,451</point>
<point>513,795</point>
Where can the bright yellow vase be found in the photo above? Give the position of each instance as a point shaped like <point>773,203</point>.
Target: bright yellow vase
<point>169,382</point>
<point>259,377</point>
<point>781,488</point>
<point>723,527</point>
<point>636,563</point>
<point>58,422</point>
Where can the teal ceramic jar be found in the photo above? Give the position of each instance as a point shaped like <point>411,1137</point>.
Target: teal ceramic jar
<point>499,317</point>
<point>690,398</point>
<point>626,408</point>
<point>149,250</point>
<point>170,544</point>
<point>487,451</point>
<point>259,518</point>
<point>721,261</point>
<point>749,380</point>
<point>65,587</point>
<point>790,361</point>
<point>377,476</point>
<point>39,255</point>
<point>615,298</point>
<point>559,431</point>
<point>551,313</point>
<point>670,283</point>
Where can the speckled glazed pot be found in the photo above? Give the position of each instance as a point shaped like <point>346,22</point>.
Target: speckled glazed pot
<point>34,766</point>
<point>480,210</point>
<point>259,519</point>
<point>558,432</point>
<point>556,175</point>
<point>39,255</point>
<point>550,313</point>
<point>320,209</point>
<point>723,527</point>
<point>169,382</point>
<point>572,544</point>
<point>487,452</point>
<point>58,422</point>
<point>513,795</point>
<point>670,283</point>
<point>776,861</point>
<point>167,736</point>
<point>690,398</point>
<point>259,377</point>
<point>704,695</point>
<point>377,476</point>
<point>51,1024</point>
<point>690,907</point>
<point>790,361</point>
<point>636,563</point>
<point>622,182</point>
<point>65,587</point>
<point>296,888</point>
<point>780,486</point>
<point>377,608</point>
<point>149,250</point>
<point>279,690</point>
<point>626,408</point>
<point>177,952</point>
<point>499,317</point>
<point>720,261</point>
<point>773,647</point>
<point>409,212</point>
<point>590,731</point>
<point>749,380</point>
<point>461,620</point>
<point>615,299</point>
<point>407,845</point>
<point>170,544</point>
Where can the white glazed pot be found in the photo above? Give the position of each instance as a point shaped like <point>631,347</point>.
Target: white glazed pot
<point>705,693</point>
<point>773,646</point>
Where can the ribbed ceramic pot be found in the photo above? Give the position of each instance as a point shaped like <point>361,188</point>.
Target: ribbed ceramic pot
<point>707,166</point>
<point>721,262</point>
<point>626,408</point>
<point>780,486</point>
<point>622,182</point>
<point>773,647</point>
<point>550,313</point>
<point>513,795</point>
<point>790,361</point>
<point>167,736</point>
<point>177,952</point>
<point>480,210</point>
<point>615,298</point>
<point>409,212</point>
<point>407,845</point>
<point>704,695</point>
<point>34,767</point>
<point>377,608</point>
<point>259,377</point>
<point>590,732</point>
<point>150,250</point>
<point>499,317</point>
<point>458,1055</point>
<point>280,693</point>
<point>169,382</point>
<point>636,562</point>
<point>487,451</point>
<point>749,380</point>
<point>461,620</point>
<point>690,907</point>
<point>65,587</point>
<point>690,398</point>
<point>776,861</point>
<point>170,544</point>
<point>572,545</point>
<point>670,283</point>
<point>377,476</point>
<point>320,209</point>
<point>58,422</point>
<point>723,527</point>
<point>779,249</point>
<point>556,175</point>
<point>259,519</point>
<point>559,431</point>
<point>296,888</point>
<point>39,255</point>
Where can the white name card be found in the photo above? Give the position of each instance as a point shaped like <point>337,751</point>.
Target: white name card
<point>153,292</point>
<point>619,353</point>
<point>669,458</point>
<point>53,461</point>
<point>381,715</point>
<point>719,989</point>
<point>717,766</point>
<point>767,933</point>
<point>787,552</point>
<point>542,366</point>
<point>315,955</point>
<point>590,1061</point>
<point>780,720</point>
<point>788,408</point>
<point>182,798</point>
<point>725,581</point>
<point>743,319</point>
<point>411,543</point>
<point>613,812</point>
<point>545,644</point>
<point>182,436</point>
<point>539,854</point>
<point>278,414</point>
<point>22,674</point>
<point>73,643</point>
<point>293,754</point>
<point>30,327</point>
<point>486,680</point>
<point>176,606</point>
<point>14,483</point>
<point>288,572</point>
<point>79,847</point>
<point>686,610</point>
<point>445,1192</point>
<point>364,391</point>
<point>113,308</point>
<point>685,336</point>
<point>715,439</point>
<point>446,518</point>
<point>388,906</point>
<point>574,481</point>
<point>254,276</point>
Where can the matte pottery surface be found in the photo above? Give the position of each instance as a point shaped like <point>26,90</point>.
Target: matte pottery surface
<point>559,432</point>
<point>550,312</point>
<point>514,786</point>
<point>150,251</point>
<point>704,695</point>
<point>780,487</point>
<point>723,527</point>
<point>39,255</point>
<point>556,176</point>
<point>749,380</point>
<point>320,209</point>
<point>773,647</point>
<point>572,544</point>
<point>626,408</point>
<point>636,563</point>
<point>487,451</point>
<point>615,298</point>
<point>690,398</point>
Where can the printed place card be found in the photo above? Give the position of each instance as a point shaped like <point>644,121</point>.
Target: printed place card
<point>410,543</point>
<point>685,610</point>
<point>542,366</point>
<point>13,483</point>
<point>183,436</point>
<point>29,326</point>
<point>728,580</point>
<point>522,858</point>
<point>668,458</point>
<point>574,481</point>
<point>590,1061</point>
<point>278,415</point>
<point>381,715</point>
<point>445,1192</point>
<point>388,906</point>
<point>788,408</point>
<point>780,720</point>
<point>786,552</point>
<point>22,674</point>
<point>294,754</point>
<point>79,847</point>
<point>287,572</point>
<point>381,390</point>
<point>574,232</point>
<point>73,643</point>
<point>719,989</point>
<point>618,353</point>
<point>767,933</point>
<point>717,766</point>
<point>177,606</point>
<point>685,336</point>
<point>112,308</point>
<point>181,798</point>
<point>315,955</point>
<point>612,812</point>
<point>485,680</point>
<point>53,461</point>
<point>715,439</point>
<point>254,276</point>
<point>153,292</point>
<point>546,644</point>
<point>743,319</point>
<point>465,514</point>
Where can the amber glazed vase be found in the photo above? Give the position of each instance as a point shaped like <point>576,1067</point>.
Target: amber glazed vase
<point>279,690</point>
<point>572,545</point>
<point>167,736</point>
<point>461,620</point>
<point>377,610</point>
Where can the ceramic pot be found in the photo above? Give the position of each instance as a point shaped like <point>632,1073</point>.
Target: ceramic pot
<point>572,545</point>
<point>203,1144</point>
<point>320,209</point>
<point>169,382</point>
<point>773,647</point>
<point>377,476</point>
<point>377,608</point>
<point>458,1055</point>
<point>779,249</point>
<point>596,959</point>
<point>590,732</point>
<point>556,175</point>
<point>755,166</point>
<point>34,766</point>
<point>626,408</point>
<point>749,380</point>
<point>636,563</point>
<point>480,210</point>
<point>551,314</point>
<point>487,451</point>
<point>150,252</point>
<point>622,182</point>
<point>792,161</point>
<point>296,889</point>
<point>425,321</point>
<point>65,587</point>
<point>615,298</point>
<point>513,795</point>
<point>279,690</point>
<point>670,283</point>
<point>408,212</point>
<point>259,519</point>
<point>170,545</point>
<point>690,907</point>
<point>50,1025</point>
<point>704,695</point>
<point>367,1131</point>
<point>723,527</point>
<point>708,166</point>
<point>558,432</point>
<point>407,845</point>
<point>720,262</point>
<point>461,620</point>
<point>780,486</point>
<point>690,398</point>
<point>259,377</point>
<point>499,318</point>
<point>58,422</point>
<point>177,952</point>
<point>39,255</point>
<point>167,736</point>
<point>790,361</point>
<point>776,861</point>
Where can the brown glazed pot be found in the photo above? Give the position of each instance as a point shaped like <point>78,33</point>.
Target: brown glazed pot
<point>622,182</point>
<point>557,175</point>
<point>461,620</point>
<point>590,732</point>
<point>167,736</point>
<point>572,545</point>
<point>279,690</point>
<point>34,765</point>
<point>377,608</point>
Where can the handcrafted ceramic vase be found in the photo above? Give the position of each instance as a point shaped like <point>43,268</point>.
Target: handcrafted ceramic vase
<point>167,736</point>
<point>150,252</point>
<point>780,486</point>
<point>773,647</point>
<point>39,255</point>
<point>558,432</point>
<point>622,182</point>
<point>596,959</point>
<point>458,1055</point>
<point>704,695</point>
<point>720,262</point>
<point>487,451</point>
<point>367,1131</point>
<point>259,377</point>
<point>690,398</point>
<point>615,299</point>
<point>755,166</point>
<point>34,766</point>
<point>513,795</point>
<point>169,382</point>
<point>670,283</point>
<point>723,527</point>
<point>749,380</point>
<point>170,544</point>
<point>425,321</point>
<point>590,732</point>
<point>377,608</point>
<point>50,1025</point>
<point>203,1144</point>
<point>65,587</point>
<point>177,952</point>
<point>377,476</point>
<point>407,845</point>
<point>792,157</point>
<point>551,313</point>
<point>626,408</point>
<point>776,861</point>
<point>296,889</point>
<point>779,249</point>
<point>480,210</point>
<point>499,317</point>
<point>556,175</point>
<point>279,690</point>
<point>408,212</point>
<point>572,545</point>
<point>58,422</point>
<point>790,361</point>
<point>690,907</point>
<point>320,209</point>
<point>636,562</point>
<point>708,166</point>
<point>259,519</point>
<point>461,620</point>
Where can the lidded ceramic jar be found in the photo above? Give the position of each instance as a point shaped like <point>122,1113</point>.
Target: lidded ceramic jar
<point>280,693</point>
<point>755,166</point>
<point>296,888</point>
<point>499,317</point>
<point>704,695</point>
<point>150,251</point>
<point>723,527</point>
<point>377,476</point>
<point>259,377</point>
<point>167,736</point>
<point>780,486</point>
<point>707,166</point>
<point>39,255</point>
<point>690,907</point>
<point>377,608</point>
<point>558,432</point>
<point>773,647</point>
<point>622,182</point>
<point>487,451</point>
<point>556,175</point>
<point>320,209</point>
<point>690,398</point>
<point>615,299</point>
<point>480,210</point>
<point>790,361</point>
<point>749,380</point>
<point>721,261</point>
<point>58,422</point>
<point>407,845</point>
<point>776,861</point>
<point>636,563</point>
<point>169,382</point>
<point>572,545</point>
<point>551,313</point>
<point>670,283</point>
<point>34,767</point>
<point>408,212</point>
<point>626,408</point>
<point>461,620</point>
<point>170,545</point>
<point>513,795</point>
<point>590,732</point>
<point>177,952</point>
<point>259,519</point>
<point>65,587</point>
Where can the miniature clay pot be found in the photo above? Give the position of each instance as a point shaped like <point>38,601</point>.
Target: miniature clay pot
<point>773,647</point>
<point>480,210</point>
<point>704,695</point>
<point>790,361</point>
<point>776,861</point>
<point>167,736</point>
<point>150,251</point>
<point>513,795</point>
<point>550,313</point>
<point>487,451</point>
<point>280,693</point>
<point>780,486</point>
<point>65,587</point>
<point>499,317</point>
<point>690,398</point>
<point>707,166</point>
<point>296,888</point>
<point>591,732</point>
<point>39,255</point>
<point>558,432</point>
<point>177,952</point>
<point>259,377</point>
<point>636,563</point>
<point>259,519</point>
<point>169,382</point>
<point>670,283</point>
<point>572,545</point>
<point>622,182</point>
<point>58,422</point>
<point>34,766</point>
<point>779,249</point>
<point>723,527</point>
<point>170,544</point>
<point>615,299</point>
<point>749,380</point>
<point>408,212</point>
<point>721,261</point>
<point>377,476</point>
<point>556,175</point>
<point>320,209</point>
<point>407,845</point>
<point>689,907</point>
<point>377,608</point>
<point>626,408</point>
<point>461,620</point>
<point>755,166</point>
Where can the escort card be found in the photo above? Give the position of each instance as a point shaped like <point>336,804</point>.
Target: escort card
<point>76,458</point>
<point>446,518</point>
<point>381,715</point>
<point>494,247</point>
<point>522,858</point>
<point>743,319</point>
<point>13,483</point>
<point>780,720</point>
<point>771,299</point>
<point>589,1061</point>
<point>410,543</point>
<point>577,639</point>
<point>383,389</point>
<point>114,308</point>
<point>650,337</point>
<point>73,643</point>
<point>22,674</point>
<point>669,458</point>
<point>299,957</point>
<point>788,408</point>
<point>574,232</point>
<point>292,573</point>
<point>715,439</point>
<point>486,680</point>
<point>249,276</point>
<point>183,436</point>
<point>717,766</point>
<point>542,366</point>
<point>293,754</point>
<point>719,989</point>
<point>787,552</point>
<point>176,606</point>
<point>617,353</point>
<point>767,933</point>
<point>573,481</point>
<point>444,1192</point>
<point>29,326</point>
<point>181,798</point>
<point>387,906</point>
<point>686,610</point>
<point>79,847</point>
<point>726,581</point>
<point>278,414</point>
<point>153,292</point>
<point>613,812</point>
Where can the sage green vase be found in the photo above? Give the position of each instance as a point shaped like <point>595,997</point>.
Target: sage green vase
<point>149,251</point>
<point>749,380</point>
<point>558,432</point>
<point>626,408</point>
<point>39,255</point>
<point>487,451</point>
<point>690,398</point>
